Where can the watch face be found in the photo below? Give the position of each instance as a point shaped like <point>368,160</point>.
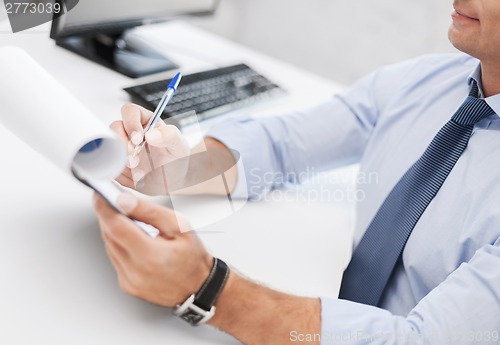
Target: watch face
<point>192,316</point>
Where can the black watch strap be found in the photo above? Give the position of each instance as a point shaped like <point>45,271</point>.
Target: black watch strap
<point>207,295</point>
<point>199,307</point>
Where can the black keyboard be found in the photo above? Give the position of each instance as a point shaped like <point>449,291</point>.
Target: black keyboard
<point>209,93</point>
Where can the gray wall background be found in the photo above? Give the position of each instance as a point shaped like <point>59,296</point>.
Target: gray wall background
<point>341,40</point>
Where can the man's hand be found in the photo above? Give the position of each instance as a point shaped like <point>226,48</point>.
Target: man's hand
<point>167,164</point>
<point>150,172</point>
<point>168,269</point>
<point>165,270</point>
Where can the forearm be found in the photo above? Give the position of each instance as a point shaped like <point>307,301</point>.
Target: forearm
<point>288,149</point>
<point>258,315</point>
<point>209,161</point>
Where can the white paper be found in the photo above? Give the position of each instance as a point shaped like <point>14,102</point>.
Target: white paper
<point>47,117</point>
<point>42,113</point>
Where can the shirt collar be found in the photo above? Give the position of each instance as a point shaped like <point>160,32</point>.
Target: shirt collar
<point>492,101</point>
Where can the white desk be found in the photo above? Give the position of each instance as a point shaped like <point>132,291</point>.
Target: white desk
<point>57,286</point>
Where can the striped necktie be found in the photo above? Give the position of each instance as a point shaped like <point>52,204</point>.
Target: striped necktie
<point>375,258</point>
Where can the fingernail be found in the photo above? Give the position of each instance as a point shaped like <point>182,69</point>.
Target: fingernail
<point>136,137</point>
<point>127,202</point>
<point>154,136</point>
<point>138,175</point>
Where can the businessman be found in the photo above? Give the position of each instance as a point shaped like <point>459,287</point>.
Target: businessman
<point>426,260</point>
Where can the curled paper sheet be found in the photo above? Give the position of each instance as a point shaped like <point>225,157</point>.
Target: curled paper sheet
<point>47,117</point>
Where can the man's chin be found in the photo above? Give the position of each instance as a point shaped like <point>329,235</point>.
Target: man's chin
<point>460,42</point>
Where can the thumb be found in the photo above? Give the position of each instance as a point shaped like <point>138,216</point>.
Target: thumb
<point>162,218</point>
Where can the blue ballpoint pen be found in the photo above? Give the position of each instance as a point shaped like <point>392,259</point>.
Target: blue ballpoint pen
<point>171,89</point>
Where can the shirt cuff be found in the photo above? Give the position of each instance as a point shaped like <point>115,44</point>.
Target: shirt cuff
<point>240,191</point>
<point>227,134</point>
<point>240,135</point>
<point>346,322</point>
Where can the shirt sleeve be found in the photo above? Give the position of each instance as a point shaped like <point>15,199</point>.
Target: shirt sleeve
<point>462,310</point>
<point>289,148</point>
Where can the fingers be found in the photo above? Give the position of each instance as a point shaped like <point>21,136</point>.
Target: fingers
<point>113,248</point>
<point>168,136</point>
<point>120,229</point>
<point>117,127</point>
<point>119,263</point>
<point>125,180</point>
<point>142,165</point>
<point>131,128</point>
<point>165,143</point>
<point>115,254</point>
<point>158,216</point>
<point>134,118</point>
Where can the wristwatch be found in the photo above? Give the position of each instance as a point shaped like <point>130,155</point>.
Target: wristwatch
<point>199,307</point>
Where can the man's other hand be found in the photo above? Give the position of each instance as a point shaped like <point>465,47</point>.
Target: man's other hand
<point>165,270</point>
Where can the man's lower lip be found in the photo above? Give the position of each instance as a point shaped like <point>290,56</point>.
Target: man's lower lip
<point>458,16</point>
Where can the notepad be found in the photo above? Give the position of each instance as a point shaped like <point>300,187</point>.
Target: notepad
<point>47,117</point>
<point>52,121</point>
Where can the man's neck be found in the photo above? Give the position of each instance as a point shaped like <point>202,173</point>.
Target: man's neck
<point>490,78</point>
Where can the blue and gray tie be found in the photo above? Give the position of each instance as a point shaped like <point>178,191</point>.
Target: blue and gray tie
<point>375,258</point>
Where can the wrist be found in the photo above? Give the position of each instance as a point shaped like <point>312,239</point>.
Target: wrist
<point>193,279</point>
<point>199,307</point>
<point>225,302</point>
<point>255,314</point>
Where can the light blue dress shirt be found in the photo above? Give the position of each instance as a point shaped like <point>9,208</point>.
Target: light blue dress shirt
<point>446,288</point>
